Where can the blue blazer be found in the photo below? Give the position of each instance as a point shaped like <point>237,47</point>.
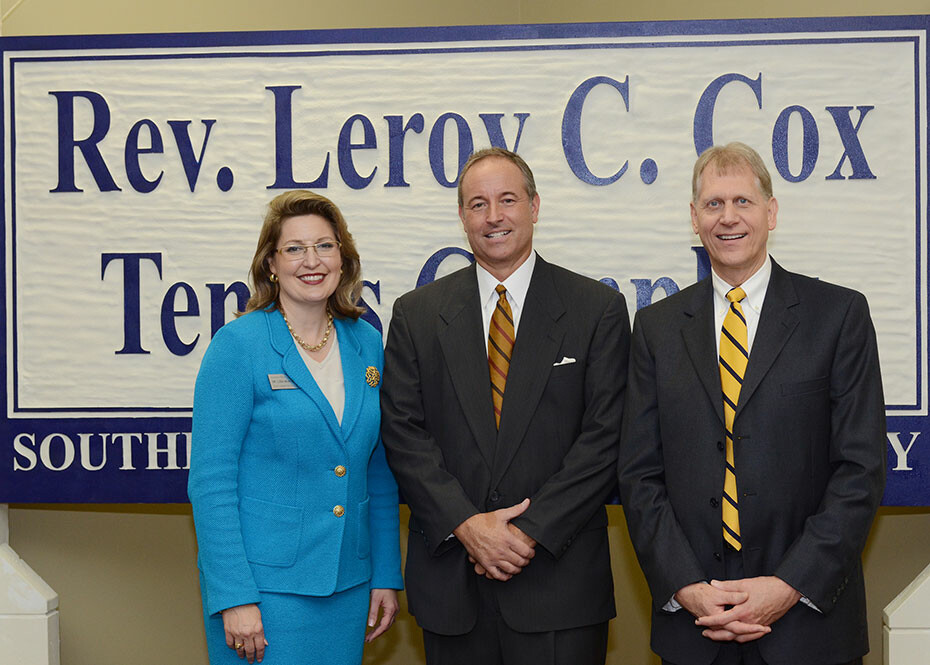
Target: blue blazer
<point>273,509</point>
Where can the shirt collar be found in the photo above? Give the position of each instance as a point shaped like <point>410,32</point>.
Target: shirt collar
<point>517,285</point>
<point>754,287</point>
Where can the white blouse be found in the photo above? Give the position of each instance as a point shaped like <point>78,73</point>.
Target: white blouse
<point>328,375</point>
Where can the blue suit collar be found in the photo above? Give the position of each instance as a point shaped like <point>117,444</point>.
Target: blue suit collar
<point>353,371</point>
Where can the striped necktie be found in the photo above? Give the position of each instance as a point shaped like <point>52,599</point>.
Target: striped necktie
<point>734,355</point>
<point>500,348</point>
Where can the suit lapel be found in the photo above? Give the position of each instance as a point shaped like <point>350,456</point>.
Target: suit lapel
<point>353,372</point>
<point>465,355</point>
<point>701,343</point>
<point>538,341</point>
<point>296,369</point>
<point>776,324</point>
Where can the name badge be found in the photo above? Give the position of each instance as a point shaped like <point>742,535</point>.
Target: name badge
<point>281,382</point>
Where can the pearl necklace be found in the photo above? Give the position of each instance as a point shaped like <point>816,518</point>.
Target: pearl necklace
<point>297,338</point>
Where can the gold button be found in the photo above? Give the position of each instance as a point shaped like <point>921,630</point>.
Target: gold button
<point>340,471</point>
<point>339,511</point>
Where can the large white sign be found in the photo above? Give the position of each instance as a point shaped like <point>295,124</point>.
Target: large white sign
<point>137,170</point>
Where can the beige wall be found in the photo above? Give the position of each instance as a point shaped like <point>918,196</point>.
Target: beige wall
<point>126,574</point>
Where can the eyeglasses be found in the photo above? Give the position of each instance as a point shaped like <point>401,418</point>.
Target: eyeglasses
<point>323,250</point>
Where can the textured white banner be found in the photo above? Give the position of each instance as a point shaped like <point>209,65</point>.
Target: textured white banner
<point>136,180</point>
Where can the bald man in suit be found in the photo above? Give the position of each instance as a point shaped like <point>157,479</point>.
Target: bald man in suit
<point>753,449</point>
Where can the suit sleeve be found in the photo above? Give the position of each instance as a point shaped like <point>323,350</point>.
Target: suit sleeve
<point>829,548</point>
<point>383,517</point>
<point>222,411</point>
<point>570,497</point>
<point>663,550</point>
<point>440,501</point>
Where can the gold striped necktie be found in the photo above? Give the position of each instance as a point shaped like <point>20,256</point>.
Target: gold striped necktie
<point>734,355</point>
<point>500,348</point>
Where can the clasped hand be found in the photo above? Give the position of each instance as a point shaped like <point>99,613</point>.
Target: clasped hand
<point>498,549</point>
<point>755,603</point>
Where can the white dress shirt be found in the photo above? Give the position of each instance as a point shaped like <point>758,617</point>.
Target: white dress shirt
<point>755,288</point>
<point>517,286</point>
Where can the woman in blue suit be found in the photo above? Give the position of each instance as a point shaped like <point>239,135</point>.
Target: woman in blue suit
<point>294,506</point>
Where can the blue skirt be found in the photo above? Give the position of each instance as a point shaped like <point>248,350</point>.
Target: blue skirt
<point>302,630</point>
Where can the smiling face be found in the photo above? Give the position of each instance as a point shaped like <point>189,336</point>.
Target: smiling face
<point>498,215</point>
<point>310,280</point>
<point>733,218</point>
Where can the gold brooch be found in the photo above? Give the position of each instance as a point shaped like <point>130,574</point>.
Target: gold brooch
<point>372,376</point>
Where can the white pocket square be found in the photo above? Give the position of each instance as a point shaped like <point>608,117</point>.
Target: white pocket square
<point>564,361</point>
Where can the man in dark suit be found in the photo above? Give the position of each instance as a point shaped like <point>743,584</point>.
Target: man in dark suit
<point>752,457</point>
<point>501,403</point>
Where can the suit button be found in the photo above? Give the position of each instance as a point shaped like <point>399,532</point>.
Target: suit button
<point>340,471</point>
<point>717,556</point>
<point>339,511</point>
<point>713,502</point>
<point>494,497</point>
<point>720,446</point>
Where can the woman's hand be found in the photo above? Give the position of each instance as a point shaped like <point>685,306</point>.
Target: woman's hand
<point>244,631</point>
<point>384,601</point>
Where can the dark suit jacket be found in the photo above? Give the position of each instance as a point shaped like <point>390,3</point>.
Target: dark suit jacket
<point>810,453</point>
<point>558,440</point>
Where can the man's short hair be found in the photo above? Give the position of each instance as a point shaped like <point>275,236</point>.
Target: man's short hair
<point>732,156</point>
<point>528,181</point>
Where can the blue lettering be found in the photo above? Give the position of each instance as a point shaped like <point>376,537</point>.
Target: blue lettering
<point>169,331</point>
<point>571,129</point>
<point>431,267</point>
<point>397,132</point>
<point>810,143</point>
<point>218,295</point>
<point>345,147</point>
<point>852,148</point>
<point>437,147</point>
<point>645,289</point>
<point>703,262</point>
<point>132,337</point>
<point>283,149</point>
<point>131,156</point>
<point>492,123</point>
<point>87,146</point>
<point>369,314</point>
<point>186,150</point>
<point>704,113</point>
